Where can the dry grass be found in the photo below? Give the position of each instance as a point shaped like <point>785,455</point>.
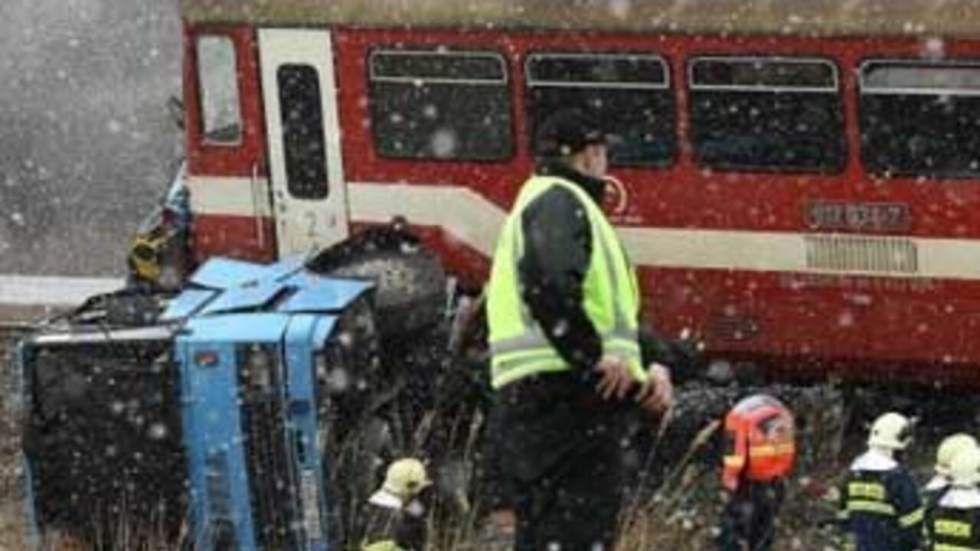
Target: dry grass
<point>680,516</point>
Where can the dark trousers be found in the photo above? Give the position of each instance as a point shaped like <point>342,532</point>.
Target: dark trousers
<point>573,509</point>
<point>565,455</point>
<point>748,521</point>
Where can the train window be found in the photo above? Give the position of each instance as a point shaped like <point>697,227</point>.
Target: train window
<point>440,104</point>
<point>920,118</point>
<point>221,121</point>
<point>302,131</point>
<point>773,113</point>
<point>763,74</point>
<point>631,92</point>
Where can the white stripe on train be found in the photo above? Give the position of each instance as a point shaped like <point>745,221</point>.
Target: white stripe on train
<point>472,219</point>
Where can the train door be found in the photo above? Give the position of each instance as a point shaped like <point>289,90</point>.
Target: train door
<point>299,90</point>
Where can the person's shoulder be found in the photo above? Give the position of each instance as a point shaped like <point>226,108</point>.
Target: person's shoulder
<point>961,498</point>
<point>900,475</point>
<point>415,509</point>
<point>874,461</point>
<point>556,199</point>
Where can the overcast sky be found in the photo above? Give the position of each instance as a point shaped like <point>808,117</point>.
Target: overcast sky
<point>86,143</point>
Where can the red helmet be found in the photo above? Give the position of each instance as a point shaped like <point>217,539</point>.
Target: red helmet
<point>760,441</point>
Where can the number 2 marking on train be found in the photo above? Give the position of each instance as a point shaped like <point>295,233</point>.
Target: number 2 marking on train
<point>311,228</point>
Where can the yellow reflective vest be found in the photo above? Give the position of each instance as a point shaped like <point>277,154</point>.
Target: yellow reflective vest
<point>610,295</point>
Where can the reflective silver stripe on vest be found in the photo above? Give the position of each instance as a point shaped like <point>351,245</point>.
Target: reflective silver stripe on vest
<point>538,340</point>
<point>505,365</point>
<point>523,357</point>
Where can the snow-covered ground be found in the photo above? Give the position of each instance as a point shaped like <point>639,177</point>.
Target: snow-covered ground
<point>53,290</point>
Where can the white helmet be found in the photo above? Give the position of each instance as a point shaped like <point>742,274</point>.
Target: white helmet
<point>892,431</point>
<point>965,468</point>
<point>405,479</point>
<point>950,447</point>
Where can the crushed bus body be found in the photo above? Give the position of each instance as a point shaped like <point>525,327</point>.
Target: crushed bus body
<point>213,420</point>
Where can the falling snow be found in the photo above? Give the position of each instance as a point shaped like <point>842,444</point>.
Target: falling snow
<point>725,165</point>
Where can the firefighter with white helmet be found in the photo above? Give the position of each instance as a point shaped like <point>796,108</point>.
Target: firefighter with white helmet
<point>954,525</point>
<point>880,508</point>
<point>948,449</point>
<point>397,511</point>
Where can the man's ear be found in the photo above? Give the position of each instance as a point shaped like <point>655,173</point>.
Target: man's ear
<point>592,155</point>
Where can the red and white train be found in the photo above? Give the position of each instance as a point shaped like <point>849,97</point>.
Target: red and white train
<point>797,181</point>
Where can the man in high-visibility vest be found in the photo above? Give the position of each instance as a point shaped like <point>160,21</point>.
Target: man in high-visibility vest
<point>562,307</point>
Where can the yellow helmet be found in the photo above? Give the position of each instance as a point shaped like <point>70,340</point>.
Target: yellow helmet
<point>406,478</point>
<point>891,431</point>
<point>964,469</point>
<point>950,447</point>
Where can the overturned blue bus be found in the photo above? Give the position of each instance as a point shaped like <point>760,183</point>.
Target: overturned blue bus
<point>216,426</point>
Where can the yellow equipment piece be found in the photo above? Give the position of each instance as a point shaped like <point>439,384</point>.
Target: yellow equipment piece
<point>158,253</point>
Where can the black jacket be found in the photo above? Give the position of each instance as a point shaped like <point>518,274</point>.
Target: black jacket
<point>548,420</point>
<point>551,272</point>
<point>406,527</point>
<point>881,509</point>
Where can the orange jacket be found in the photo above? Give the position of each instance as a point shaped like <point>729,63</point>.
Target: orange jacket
<point>760,441</point>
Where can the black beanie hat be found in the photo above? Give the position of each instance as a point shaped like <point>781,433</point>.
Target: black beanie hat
<point>567,132</point>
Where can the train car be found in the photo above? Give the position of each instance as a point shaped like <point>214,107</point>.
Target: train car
<point>795,180</point>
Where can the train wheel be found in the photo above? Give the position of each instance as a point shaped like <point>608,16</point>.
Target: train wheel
<point>411,282</point>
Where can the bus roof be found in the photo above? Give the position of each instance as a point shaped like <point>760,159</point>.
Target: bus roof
<point>943,18</point>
